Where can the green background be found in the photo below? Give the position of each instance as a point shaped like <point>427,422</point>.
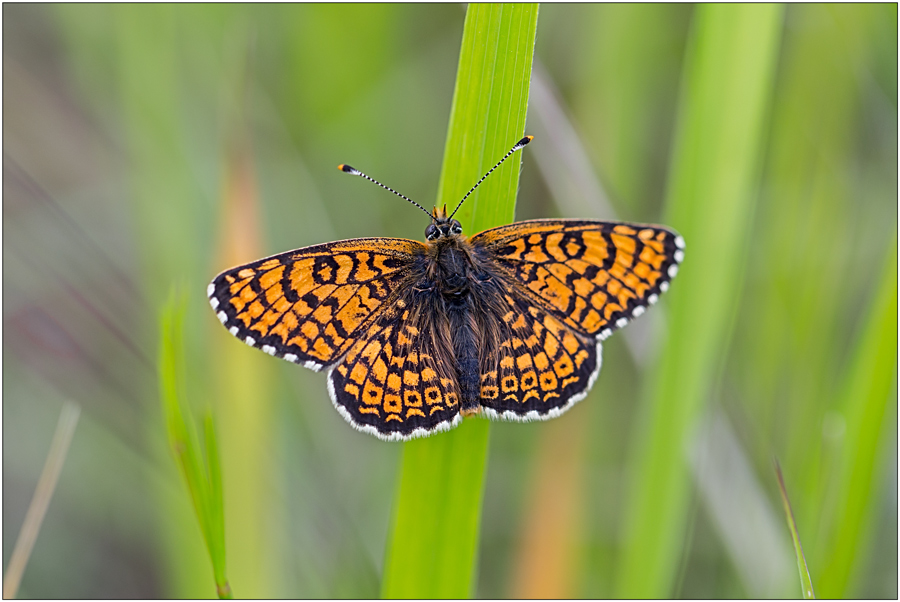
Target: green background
<point>152,146</point>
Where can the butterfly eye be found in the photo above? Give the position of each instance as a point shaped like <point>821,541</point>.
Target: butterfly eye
<point>455,227</point>
<point>431,232</point>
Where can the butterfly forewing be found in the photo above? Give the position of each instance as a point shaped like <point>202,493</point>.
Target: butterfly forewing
<point>593,276</point>
<point>308,306</point>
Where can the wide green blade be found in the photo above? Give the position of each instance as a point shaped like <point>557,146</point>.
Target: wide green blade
<point>434,539</point>
<point>728,80</point>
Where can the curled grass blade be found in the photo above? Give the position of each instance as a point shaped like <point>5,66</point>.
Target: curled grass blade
<point>431,552</point>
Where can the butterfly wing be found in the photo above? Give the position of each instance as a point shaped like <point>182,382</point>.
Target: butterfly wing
<point>309,306</point>
<point>569,284</point>
<point>541,366</point>
<point>398,380</point>
<point>594,276</point>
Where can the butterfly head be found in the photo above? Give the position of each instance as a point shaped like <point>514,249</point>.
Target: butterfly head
<point>441,225</point>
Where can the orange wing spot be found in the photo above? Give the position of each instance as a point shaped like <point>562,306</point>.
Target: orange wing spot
<point>325,274</point>
<point>509,317</point>
<point>558,294</point>
<point>645,234</point>
<point>614,287</point>
<point>310,330</point>
<point>366,410</point>
<point>509,384</point>
<point>551,346</point>
<point>548,381</point>
<point>592,321</point>
<point>435,409</point>
<point>342,370</point>
<point>656,246</point>
<point>601,278</point>
<point>583,287</point>
<point>272,277</point>
<point>506,362</point>
<point>390,417</point>
<point>599,299</point>
<point>550,396</point>
<point>410,379</point>
<point>617,271</point>
<point>324,291</point>
<point>358,373</point>
<point>301,309</point>
<point>563,367</point>
<point>596,251</point>
<point>372,350</point>
<point>246,273</point>
<point>393,404</point>
<point>302,280</point>
<point>570,343</point>
<point>529,381</point>
<point>552,246</point>
<point>433,395</point>
<point>352,389</point>
<point>624,243</point>
<point>345,266</point>
<point>624,259</point>
<point>428,374</point>
<point>573,249</point>
<point>451,399</point>
<point>648,256</point>
<point>281,305</point>
<point>560,270</point>
<point>568,381</point>
<point>363,271</point>
<point>518,248</point>
<point>489,392</point>
<point>536,254</point>
<point>265,323</point>
<point>301,342</point>
<point>274,293</point>
<point>372,393</point>
<point>237,286</point>
<point>229,279</point>
<point>611,308</point>
<point>642,270</point>
<point>379,370</point>
<point>529,395</point>
<point>540,361</point>
<point>394,382</point>
<point>523,362</point>
<point>580,357</point>
<point>632,281</point>
<point>414,412</point>
<point>534,239</point>
<point>321,350</point>
<point>331,332</point>
<point>623,229</point>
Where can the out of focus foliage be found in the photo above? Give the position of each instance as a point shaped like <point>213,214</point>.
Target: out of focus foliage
<point>152,145</point>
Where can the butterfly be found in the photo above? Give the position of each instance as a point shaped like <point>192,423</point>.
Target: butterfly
<point>508,323</point>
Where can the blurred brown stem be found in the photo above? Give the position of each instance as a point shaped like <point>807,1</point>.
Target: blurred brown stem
<point>59,448</point>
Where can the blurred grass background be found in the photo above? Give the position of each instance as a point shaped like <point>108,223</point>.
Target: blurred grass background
<point>152,145</point>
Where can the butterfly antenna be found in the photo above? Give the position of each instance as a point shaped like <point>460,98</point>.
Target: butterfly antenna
<point>519,146</point>
<point>352,170</point>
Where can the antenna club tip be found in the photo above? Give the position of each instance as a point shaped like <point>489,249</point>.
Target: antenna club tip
<point>521,143</point>
<point>347,169</point>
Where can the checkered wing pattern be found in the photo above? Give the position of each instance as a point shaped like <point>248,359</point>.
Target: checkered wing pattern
<point>309,306</point>
<point>570,285</point>
<point>398,380</point>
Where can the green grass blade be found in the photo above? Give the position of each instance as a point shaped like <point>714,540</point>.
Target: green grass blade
<point>432,547</point>
<point>202,475</point>
<point>728,79</point>
<point>805,581</point>
<point>867,390</point>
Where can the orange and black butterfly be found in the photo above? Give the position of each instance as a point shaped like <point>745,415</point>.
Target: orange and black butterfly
<point>415,336</point>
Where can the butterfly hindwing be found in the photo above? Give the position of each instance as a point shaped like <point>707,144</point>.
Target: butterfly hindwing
<point>397,381</point>
<point>309,305</point>
<point>541,368</point>
<point>593,276</point>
